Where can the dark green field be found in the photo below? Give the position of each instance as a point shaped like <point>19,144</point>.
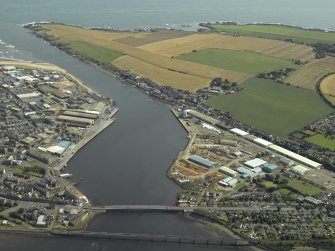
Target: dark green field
<point>236,60</point>
<point>274,108</point>
<point>94,52</point>
<point>276,31</point>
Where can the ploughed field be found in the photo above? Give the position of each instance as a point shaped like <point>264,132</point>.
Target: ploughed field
<point>159,55</point>
<point>272,107</point>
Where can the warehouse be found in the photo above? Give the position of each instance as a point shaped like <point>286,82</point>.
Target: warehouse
<point>201,161</point>
<point>81,114</point>
<point>245,173</point>
<point>299,169</point>
<point>262,142</point>
<point>228,171</point>
<point>228,182</point>
<point>239,132</point>
<point>269,168</point>
<point>76,120</point>
<point>255,163</point>
<point>295,156</point>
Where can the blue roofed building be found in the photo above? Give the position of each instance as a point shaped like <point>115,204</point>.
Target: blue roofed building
<point>65,144</point>
<point>269,168</point>
<point>245,173</point>
<point>201,161</point>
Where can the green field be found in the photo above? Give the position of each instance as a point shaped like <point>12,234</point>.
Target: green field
<point>236,60</point>
<point>269,184</point>
<point>303,188</point>
<point>322,141</point>
<point>274,108</point>
<point>94,52</point>
<point>277,31</point>
<point>284,191</point>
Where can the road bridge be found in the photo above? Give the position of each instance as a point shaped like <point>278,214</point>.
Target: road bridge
<point>160,208</point>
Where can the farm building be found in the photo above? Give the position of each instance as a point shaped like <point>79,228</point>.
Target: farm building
<point>262,142</point>
<point>269,168</point>
<point>228,182</point>
<point>295,156</point>
<point>201,161</point>
<point>239,132</point>
<point>255,163</point>
<point>228,171</point>
<point>299,169</point>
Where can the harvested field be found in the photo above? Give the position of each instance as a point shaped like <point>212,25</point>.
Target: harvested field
<point>153,37</point>
<point>160,75</point>
<point>327,88</point>
<point>178,46</point>
<point>309,75</point>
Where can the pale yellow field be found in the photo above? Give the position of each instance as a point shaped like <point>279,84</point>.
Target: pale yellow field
<point>309,75</point>
<point>183,45</point>
<point>160,75</point>
<point>327,85</point>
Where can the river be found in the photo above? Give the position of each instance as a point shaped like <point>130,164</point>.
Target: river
<point>127,163</point>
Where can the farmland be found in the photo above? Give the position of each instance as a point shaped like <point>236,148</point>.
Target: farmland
<point>327,88</point>
<point>244,61</point>
<point>308,75</point>
<point>277,31</point>
<point>158,52</point>
<point>199,41</point>
<point>322,141</point>
<point>274,108</point>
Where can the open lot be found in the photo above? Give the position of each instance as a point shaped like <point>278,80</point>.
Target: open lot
<point>308,75</point>
<point>235,60</point>
<point>327,88</point>
<point>323,141</point>
<point>274,108</point>
<point>302,187</point>
<point>279,31</point>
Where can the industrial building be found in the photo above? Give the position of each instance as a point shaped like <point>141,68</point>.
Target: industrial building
<point>81,114</point>
<point>255,163</point>
<point>201,161</point>
<point>299,169</point>
<point>239,132</point>
<point>262,142</point>
<point>228,171</point>
<point>269,168</point>
<point>70,119</point>
<point>228,182</point>
<point>295,156</point>
<point>245,173</point>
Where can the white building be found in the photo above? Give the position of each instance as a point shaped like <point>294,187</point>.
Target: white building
<point>255,163</point>
<point>41,222</point>
<point>262,142</point>
<point>228,182</point>
<point>299,169</point>
<point>228,171</point>
<point>239,132</point>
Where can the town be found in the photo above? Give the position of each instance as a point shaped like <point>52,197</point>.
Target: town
<point>46,117</point>
<point>266,192</point>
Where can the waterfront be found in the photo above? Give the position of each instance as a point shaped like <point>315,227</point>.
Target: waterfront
<point>127,163</point>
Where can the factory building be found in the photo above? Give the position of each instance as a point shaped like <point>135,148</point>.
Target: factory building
<point>70,119</point>
<point>255,163</point>
<point>300,169</point>
<point>81,114</point>
<point>228,182</point>
<point>239,132</point>
<point>296,157</point>
<point>269,168</point>
<point>262,142</point>
<point>245,173</point>
<point>201,161</point>
<point>228,171</point>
